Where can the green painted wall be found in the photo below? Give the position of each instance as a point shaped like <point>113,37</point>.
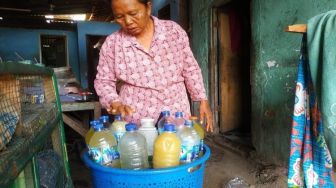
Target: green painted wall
<point>274,57</point>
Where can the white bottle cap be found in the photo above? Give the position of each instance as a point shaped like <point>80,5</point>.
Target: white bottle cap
<point>147,122</point>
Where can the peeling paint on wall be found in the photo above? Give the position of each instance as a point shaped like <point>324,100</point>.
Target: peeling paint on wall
<point>271,63</point>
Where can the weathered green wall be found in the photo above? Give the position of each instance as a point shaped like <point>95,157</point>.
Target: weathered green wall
<point>274,67</point>
<point>274,58</point>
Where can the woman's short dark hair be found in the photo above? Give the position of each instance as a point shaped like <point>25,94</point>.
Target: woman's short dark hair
<point>140,1</point>
<point>143,1</point>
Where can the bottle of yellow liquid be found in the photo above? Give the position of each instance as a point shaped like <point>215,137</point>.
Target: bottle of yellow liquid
<point>103,147</point>
<point>167,148</point>
<point>91,131</point>
<point>200,131</point>
<point>118,127</point>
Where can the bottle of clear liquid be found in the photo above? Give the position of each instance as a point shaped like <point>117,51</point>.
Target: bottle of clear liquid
<point>190,143</point>
<point>105,121</point>
<point>103,147</point>
<point>200,131</point>
<point>167,148</point>
<point>163,120</point>
<point>89,134</point>
<point>149,131</point>
<point>118,127</point>
<point>133,149</point>
<point>179,121</point>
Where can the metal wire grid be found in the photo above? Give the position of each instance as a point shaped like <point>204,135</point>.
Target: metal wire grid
<point>30,100</point>
<point>9,109</point>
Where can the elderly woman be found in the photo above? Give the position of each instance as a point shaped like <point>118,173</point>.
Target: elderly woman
<point>154,60</point>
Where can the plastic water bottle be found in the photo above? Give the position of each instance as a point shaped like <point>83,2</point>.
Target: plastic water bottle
<point>103,147</point>
<point>164,119</point>
<point>89,134</point>
<point>149,131</point>
<point>200,131</point>
<point>133,149</point>
<point>118,127</point>
<point>167,148</point>
<point>105,121</point>
<point>179,121</point>
<point>190,142</point>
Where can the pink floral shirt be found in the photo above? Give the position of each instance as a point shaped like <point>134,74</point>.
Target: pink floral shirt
<point>154,80</point>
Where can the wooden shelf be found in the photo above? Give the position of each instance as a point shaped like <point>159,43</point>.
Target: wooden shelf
<point>297,28</point>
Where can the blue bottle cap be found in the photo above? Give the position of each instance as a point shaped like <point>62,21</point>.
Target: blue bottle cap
<point>131,127</point>
<point>98,127</point>
<point>104,119</point>
<point>94,122</point>
<point>169,127</point>
<point>117,117</point>
<point>188,123</point>
<point>178,114</point>
<point>165,113</point>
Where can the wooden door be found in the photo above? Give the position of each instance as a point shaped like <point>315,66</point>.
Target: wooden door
<point>229,77</point>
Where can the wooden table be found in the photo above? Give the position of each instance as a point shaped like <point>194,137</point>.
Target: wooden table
<point>80,126</point>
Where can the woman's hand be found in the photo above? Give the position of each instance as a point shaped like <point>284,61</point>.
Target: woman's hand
<point>205,110</point>
<point>120,108</point>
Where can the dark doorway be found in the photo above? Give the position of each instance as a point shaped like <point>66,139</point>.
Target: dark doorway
<point>53,50</point>
<point>94,43</point>
<point>232,65</point>
<point>164,13</point>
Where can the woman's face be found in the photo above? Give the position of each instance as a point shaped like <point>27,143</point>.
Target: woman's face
<point>132,15</point>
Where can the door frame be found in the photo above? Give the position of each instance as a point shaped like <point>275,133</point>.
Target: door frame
<point>213,69</point>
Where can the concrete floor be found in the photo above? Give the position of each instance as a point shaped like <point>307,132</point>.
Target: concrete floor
<point>232,156</point>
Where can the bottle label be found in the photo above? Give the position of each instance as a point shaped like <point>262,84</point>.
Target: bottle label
<point>103,155</point>
<point>201,146</point>
<point>161,130</point>
<point>189,153</point>
<point>118,135</point>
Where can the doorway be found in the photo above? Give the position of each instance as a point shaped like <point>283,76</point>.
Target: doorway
<point>230,66</point>
<point>53,51</point>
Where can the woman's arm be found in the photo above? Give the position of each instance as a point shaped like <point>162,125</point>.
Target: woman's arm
<point>194,82</point>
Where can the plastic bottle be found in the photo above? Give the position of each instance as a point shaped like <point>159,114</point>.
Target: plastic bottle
<point>91,131</point>
<point>163,120</point>
<point>167,148</point>
<point>133,149</point>
<point>179,121</point>
<point>105,121</point>
<point>190,143</point>
<point>103,147</point>
<point>118,127</point>
<point>200,131</point>
<point>149,131</point>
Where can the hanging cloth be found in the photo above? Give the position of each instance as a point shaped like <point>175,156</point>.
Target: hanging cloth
<point>310,163</point>
<point>321,38</point>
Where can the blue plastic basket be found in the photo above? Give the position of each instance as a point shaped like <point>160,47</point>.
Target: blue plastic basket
<point>187,175</point>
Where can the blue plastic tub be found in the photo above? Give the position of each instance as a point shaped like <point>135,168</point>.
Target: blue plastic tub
<point>187,175</point>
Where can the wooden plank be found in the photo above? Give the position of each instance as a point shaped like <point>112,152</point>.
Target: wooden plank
<point>229,78</point>
<point>75,124</point>
<point>78,106</point>
<point>297,28</point>
<point>213,70</point>
<point>97,110</point>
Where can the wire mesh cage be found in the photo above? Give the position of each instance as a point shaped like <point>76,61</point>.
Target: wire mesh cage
<point>27,103</point>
